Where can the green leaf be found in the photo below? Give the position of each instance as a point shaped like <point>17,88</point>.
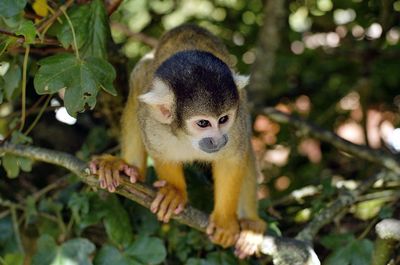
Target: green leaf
<point>356,252</point>
<point>25,163</point>
<point>9,8</point>
<point>14,259</point>
<point>220,258</point>
<point>12,80</point>
<point>74,251</point>
<point>8,243</point>
<point>81,79</point>
<point>78,16</point>
<point>110,255</point>
<point>98,29</point>
<point>335,241</point>
<point>28,30</point>
<point>10,164</point>
<point>117,223</point>
<point>149,250</point>
<point>196,261</point>
<point>90,23</point>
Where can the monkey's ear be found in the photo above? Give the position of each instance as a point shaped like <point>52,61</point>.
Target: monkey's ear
<point>160,98</point>
<point>240,80</point>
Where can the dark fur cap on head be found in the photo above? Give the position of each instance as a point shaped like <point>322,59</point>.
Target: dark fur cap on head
<point>199,80</point>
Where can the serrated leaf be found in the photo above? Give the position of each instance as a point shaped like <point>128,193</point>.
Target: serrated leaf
<point>117,223</point>
<point>79,17</point>
<point>148,250</point>
<point>80,78</point>
<point>74,251</point>
<point>91,28</point>
<point>9,8</point>
<point>10,164</point>
<point>98,29</point>
<point>28,30</point>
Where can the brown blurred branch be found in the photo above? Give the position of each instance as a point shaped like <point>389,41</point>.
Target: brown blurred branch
<point>112,5</point>
<point>373,155</point>
<point>150,41</point>
<point>269,42</point>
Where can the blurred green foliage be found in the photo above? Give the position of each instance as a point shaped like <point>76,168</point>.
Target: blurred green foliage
<point>337,66</point>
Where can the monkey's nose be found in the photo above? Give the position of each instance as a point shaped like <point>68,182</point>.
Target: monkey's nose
<point>211,145</point>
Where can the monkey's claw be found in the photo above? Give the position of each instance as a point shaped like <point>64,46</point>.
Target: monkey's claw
<point>108,168</point>
<point>250,238</point>
<point>169,200</point>
<point>223,232</point>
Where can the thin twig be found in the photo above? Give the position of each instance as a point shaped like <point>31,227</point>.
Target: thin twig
<point>373,155</point>
<point>23,89</point>
<point>54,17</point>
<point>150,41</point>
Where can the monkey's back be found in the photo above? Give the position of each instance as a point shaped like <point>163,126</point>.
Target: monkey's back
<point>190,37</point>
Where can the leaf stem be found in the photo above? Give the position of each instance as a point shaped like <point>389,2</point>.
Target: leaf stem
<point>23,88</point>
<point>73,32</point>
<point>38,116</point>
<point>15,228</point>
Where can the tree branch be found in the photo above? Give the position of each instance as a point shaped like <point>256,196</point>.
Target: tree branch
<point>282,250</point>
<point>137,192</point>
<point>269,42</point>
<point>373,155</point>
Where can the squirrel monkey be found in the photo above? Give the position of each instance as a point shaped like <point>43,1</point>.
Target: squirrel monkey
<point>187,104</point>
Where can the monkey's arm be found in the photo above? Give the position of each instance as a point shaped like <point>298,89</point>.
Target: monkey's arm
<point>228,176</point>
<point>133,155</point>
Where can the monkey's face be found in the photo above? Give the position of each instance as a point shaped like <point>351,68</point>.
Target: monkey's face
<point>210,133</point>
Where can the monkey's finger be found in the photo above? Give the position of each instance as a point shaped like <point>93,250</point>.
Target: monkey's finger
<point>160,183</point>
<point>131,172</point>
<point>93,167</point>
<point>176,202</point>
<point>102,178</point>
<point>156,203</point>
<point>110,185</point>
<point>115,177</point>
<point>210,228</point>
<point>166,205</point>
<point>179,209</point>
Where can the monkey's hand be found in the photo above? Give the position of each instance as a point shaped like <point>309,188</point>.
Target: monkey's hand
<point>108,168</point>
<point>223,230</point>
<point>169,200</point>
<point>250,237</point>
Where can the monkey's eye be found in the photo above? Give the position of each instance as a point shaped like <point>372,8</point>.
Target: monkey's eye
<point>223,119</point>
<point>203,123</point>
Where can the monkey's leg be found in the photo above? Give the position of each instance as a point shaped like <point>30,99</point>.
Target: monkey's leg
<point>252,226</point>
<point>171,196</point>
<point>224,227</point>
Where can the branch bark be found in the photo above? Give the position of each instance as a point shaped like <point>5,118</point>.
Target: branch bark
<point>282,250</point>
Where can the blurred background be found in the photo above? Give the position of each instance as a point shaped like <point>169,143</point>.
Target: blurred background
<point>337,65</point>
